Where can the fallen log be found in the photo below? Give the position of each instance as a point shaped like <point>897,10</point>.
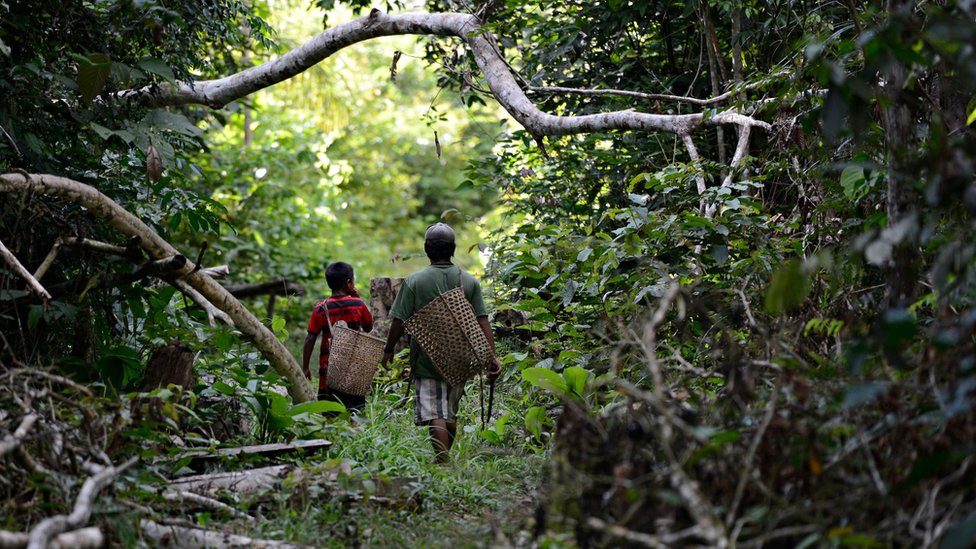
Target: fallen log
<point>83,538</point>
<point>171,535</point>
<point>207,503</point>
<point>268,450</point>
<point>40,537</point>
<point>254,483</point>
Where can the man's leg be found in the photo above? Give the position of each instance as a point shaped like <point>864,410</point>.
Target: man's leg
<point>442,436</point>
<point>451,433</point>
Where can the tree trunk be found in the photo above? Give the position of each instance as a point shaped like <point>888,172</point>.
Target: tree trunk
<point>382,293</point>
<point>169,364</point>
<point>903,269</point>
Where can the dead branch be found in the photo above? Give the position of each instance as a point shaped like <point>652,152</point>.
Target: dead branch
<point>12,441</point>
<point>619,532</point>
<point>100,205</point>
<point>83,538</point>
<point>697,504</point>
<point>209,503</point>
<point>50,527</point>
<point>220,271</point>
<point>213,313</point>
<point>267,450</point>
<point>240,482</point>
<point>16,267</point>
<point>193,538</point>
<point>750,456</point>
<point>52,377</point>
<point>649,96</point>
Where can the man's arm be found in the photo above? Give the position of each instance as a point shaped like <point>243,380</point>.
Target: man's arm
<point>307,353</point>
<point>396,330</point>
<point>494,366</point>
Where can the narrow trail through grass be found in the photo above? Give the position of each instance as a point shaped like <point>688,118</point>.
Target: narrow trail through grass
<point>485,497</point>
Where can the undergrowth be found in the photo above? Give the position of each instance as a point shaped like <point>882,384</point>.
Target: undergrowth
<point>485,496</point>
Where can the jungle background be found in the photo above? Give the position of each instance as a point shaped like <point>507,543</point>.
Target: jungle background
<point>770,349</point>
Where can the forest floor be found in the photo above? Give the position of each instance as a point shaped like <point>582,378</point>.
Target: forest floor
<point>487,496</point>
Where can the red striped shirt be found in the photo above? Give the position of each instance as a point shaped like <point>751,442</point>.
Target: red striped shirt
<point>353,310</point>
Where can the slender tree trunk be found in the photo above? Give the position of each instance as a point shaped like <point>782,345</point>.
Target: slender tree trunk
<point>715,70</point>
<point>902,197</point>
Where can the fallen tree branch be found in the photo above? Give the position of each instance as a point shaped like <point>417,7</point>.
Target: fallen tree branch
<point>100,205</point>
<point>746,473</point>
<point>622,533</point>
<point>209,503</point>
<point>266,450</point>
<point>19,269</point>
<point>12,441</point>
<point>193,538</point>
<point>50,527</point>
<point>241,483</point>
<point>83,538</point>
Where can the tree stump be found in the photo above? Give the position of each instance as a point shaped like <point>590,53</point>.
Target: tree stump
<point>382,293</point>
<point>171,363</point>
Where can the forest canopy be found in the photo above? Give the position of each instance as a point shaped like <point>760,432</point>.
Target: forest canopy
<point>728,246</point>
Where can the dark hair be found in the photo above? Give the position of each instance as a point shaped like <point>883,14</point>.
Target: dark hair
<point>439,250</point>
<point>337,274</point>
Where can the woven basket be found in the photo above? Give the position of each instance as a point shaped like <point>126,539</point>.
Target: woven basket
<point>353,357</point>
<point>448,331</point>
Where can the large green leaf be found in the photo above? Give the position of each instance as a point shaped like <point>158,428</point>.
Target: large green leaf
<point>576,378</point>
<point>545,378</point>
<point>317,407</point>
<point>93,71</point>
<point>534,420</point>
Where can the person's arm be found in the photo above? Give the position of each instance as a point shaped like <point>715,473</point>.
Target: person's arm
<point>494,366</point>
<point>396,330</point>
<point>307,353</point>
<point>367,319</point>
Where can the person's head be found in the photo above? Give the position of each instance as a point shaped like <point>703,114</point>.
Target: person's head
<point>439,242</point>
<point>339,275</point>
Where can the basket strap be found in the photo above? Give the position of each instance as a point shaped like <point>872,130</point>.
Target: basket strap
<point>328,321</point>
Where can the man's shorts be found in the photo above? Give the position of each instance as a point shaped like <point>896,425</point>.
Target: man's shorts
<point>435,399</point>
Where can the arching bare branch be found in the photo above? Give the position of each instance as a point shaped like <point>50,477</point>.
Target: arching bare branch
<point>501,82</point>
<point>118,217</point>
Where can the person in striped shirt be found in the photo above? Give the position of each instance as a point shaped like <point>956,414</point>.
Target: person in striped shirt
<point>344,304</point>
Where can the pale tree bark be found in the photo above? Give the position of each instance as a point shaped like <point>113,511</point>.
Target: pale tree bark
<point>498,76</point>
<point>83,538</point>
<point>204,286</point>
<point>193,538</point>
<point>51,527</point>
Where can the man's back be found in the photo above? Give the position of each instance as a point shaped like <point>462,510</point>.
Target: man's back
<point>421,287</point>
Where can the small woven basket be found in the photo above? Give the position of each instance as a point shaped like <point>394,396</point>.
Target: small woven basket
<point>353,358</point>
<point>448,331</point>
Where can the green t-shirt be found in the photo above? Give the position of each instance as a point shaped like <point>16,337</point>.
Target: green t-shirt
<point>421,288</point>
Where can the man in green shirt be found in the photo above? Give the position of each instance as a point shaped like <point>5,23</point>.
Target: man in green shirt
<point>435,402</point>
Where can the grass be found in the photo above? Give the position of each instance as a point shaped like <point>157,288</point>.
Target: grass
<point>485,496</point>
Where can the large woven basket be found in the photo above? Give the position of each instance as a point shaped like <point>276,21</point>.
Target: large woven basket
<point>448,331</point>
<point>353,358</point>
